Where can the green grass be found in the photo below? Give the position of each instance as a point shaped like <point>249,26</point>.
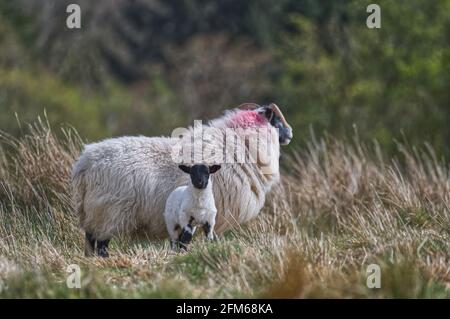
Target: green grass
<point>337,211</point>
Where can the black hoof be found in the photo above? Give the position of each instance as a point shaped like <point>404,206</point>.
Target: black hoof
<point>102,248</point>
<point>103,253</point>
<point>183,246</point>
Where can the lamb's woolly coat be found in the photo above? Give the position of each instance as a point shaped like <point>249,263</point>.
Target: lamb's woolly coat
<point>121,184</point>
<point>186,202</point>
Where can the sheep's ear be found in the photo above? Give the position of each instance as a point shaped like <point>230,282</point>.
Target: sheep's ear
<point>267,112</point>
<point>185,168</point>
<point>214,168</point>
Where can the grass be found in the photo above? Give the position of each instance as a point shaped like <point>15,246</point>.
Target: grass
<point>341,207</point>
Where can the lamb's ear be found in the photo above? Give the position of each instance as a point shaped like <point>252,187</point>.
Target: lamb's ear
<point>185,168</point>
<point>214,168</point>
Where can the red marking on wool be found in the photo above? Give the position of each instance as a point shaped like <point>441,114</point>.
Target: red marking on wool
<point>246,119</point>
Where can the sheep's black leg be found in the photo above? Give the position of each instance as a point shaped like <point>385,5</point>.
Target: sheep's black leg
<point>89,245</point>
<point>102,248</point>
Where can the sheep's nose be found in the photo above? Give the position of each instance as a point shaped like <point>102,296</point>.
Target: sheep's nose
<point>289,134</point>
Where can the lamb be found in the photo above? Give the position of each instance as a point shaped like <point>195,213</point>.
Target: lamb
<point>191,205</point>
<point>120,185</point>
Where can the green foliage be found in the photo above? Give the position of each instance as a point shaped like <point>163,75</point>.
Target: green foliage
<point>387,81</point>
<point>29,94</point>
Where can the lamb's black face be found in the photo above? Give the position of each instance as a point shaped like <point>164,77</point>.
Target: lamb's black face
<point>200,174</point>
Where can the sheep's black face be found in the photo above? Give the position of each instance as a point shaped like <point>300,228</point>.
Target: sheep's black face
<point>200,174</point>
<point>285,133</point>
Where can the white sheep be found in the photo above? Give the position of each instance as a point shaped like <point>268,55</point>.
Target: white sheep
<point>191,205</point>
<point>120,185</point>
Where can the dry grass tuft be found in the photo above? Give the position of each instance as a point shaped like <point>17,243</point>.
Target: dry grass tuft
<point>341,207</point>
<point>36,168</point>
<point>293,281</point>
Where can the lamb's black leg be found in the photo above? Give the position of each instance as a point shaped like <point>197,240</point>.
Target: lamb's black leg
<point>102,248</point>
<point>186,236</point>
<point>206,228</point>
<point>174,244</point>
<point>176,233</point>
<point>209,232</point>
<point>89,245</point>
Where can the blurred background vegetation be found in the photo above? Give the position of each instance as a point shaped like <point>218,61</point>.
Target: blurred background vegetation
<point>148,66</point>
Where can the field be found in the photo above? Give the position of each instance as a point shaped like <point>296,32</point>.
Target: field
<point>341,207</point>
